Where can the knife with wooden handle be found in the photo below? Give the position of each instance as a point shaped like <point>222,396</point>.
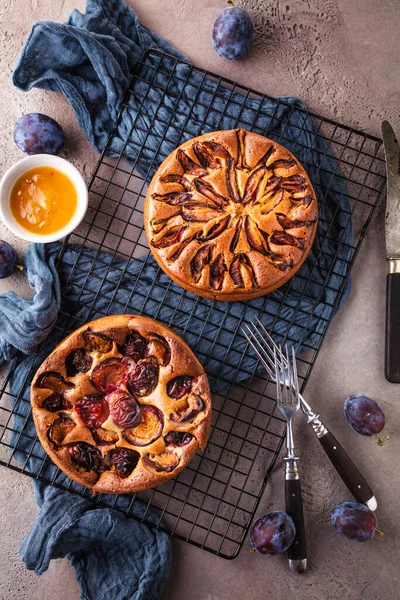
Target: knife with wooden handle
<point>392,226</point>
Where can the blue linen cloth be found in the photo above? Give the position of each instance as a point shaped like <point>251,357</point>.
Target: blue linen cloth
<point>91,59</point>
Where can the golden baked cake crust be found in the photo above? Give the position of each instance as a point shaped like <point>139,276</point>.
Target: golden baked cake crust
<point>122,404</point>
<point>230,215</point>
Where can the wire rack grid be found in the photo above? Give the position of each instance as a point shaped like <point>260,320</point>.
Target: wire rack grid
<point>212,502</point>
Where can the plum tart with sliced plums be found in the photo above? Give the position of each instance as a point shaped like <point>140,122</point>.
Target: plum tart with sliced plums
<point>230,215</point>
<point>122,404</point>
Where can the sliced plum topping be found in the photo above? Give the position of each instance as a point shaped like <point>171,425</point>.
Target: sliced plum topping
<point>200,212</point>
<point>207,190</point>
<point>241,140</point>
<point>287,223</point>
<point>109,375</point>
<point>92,410</point>
<point>178,438</point>
<point>215,230</point>
<point>257,238</point>
<point>200,260</point>
<point>282,164</point>
<point>149,429</point>
<point>104,437</point>
<point>87,457</point>
<point>189,166</point>
<point>158,348</point>
<point>124,409</point>
<point>78,361</point>
<point>52,380</point>
<point>272,202</point>
<point>194,405</point>
<point>205,156</point>
<point>55,402</point>
<point>143,378</point>
<point>218,269</point>
<point>295,183</point>
<point>240,265</point>
<point>265,158</point>
<point>179,386</point>
<point>178,251</point>
<point>231,181</point>
<point>236,235</point>
<point>165,462</point>
<point>281,238</point>
<point>175,178</point>
<point>124,461</point>
<point>173,198</point>
<point>218,150</point>
<point>272,184</point>
<point>172,236</point>
<point>59,430</point>
<point>134,346</point>
<point>253,184</point>
<point>97,342</point>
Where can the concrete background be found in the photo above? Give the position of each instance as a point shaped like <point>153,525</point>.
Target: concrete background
<point>342,58</point>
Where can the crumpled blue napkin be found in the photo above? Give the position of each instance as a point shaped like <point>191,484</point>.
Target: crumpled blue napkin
<point>91,60</point>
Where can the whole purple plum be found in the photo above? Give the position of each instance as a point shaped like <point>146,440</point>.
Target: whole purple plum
<point>35,133</point>
<point>354,521</point>
<point>364,414</point>
<point>233,33</point>
<point>272,533</point>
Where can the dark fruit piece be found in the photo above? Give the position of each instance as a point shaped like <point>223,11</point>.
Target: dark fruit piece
<point>254,183</point>
<point>215,230</point>
<point>364,415</point>
<point>97,342</point>
<point>59,430</point>
<point>104,437</point>
<point>200,212</point>
<point>134,346</point>
<point>232,33</point>
<point>92,410</point>
<point>124,461</point>
<point>172,236</point>
<point>265,158</point>
<point>241,264</point>
<point>281,238</point>
<point>8,259</point>
<point>124,409</point>
<point>354,521</point>
<point>173,198</point>
<point>257,238</point>
<point>231,181</point>
<point>189,166</point>
<point>143,378</point>
<point>282,164</point>
<point>272,184</point>
<point>241,141</point>
<point>200,260</point>
<point>165,462</point>
<point>158,348</point>
<point>294,183</point>
<point>109,375</point>
<point>52,380</point>
<point>287,223</point>
<point>272,533</point>
<point>36,133</point>
<point>178,438</point>
<point>194,406</point>
<point>87,457</point>
<point>205,157</point>
<point>179,386</point>
<point>56,402</point>
<point>207,190</point>
<point>218,269</point>
<point>149,429</point>
<point>236,235</point>
<point>272,202</point>
<point>78,361</point>
<point>174,178</point>
<point>178,251</point>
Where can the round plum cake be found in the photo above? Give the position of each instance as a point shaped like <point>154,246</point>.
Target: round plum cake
<point>230,215</point>
<point>122,404</point>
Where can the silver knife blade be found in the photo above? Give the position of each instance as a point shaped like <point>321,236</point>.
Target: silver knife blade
<point>392,215</point>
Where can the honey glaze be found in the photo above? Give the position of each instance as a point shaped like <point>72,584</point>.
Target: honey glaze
<point>43,200</point>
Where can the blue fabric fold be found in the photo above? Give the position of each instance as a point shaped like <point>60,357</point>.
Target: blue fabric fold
<point>91,60</point>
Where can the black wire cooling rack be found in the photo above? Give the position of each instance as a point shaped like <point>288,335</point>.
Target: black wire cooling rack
<point>213,500</point>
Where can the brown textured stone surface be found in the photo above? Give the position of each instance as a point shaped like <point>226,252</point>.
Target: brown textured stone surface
<point>342,58</point>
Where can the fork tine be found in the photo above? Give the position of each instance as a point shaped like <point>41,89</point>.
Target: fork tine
<point>289,376</point>
<point>259,349</point>
<point>269,338</point>
<point>266,345</point>
<point>295,376</point>
<point>278,379</point>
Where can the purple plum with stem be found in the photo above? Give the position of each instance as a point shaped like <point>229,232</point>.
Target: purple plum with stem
<point>354,521</point>
<point>272,533</point>
<point>8,260</point>
<point>233,32</point>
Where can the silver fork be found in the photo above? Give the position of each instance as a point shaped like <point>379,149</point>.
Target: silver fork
<point>288,401</point>
<point>265,348</point>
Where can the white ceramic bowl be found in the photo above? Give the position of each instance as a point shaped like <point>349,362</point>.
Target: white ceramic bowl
<point>42,160</point>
